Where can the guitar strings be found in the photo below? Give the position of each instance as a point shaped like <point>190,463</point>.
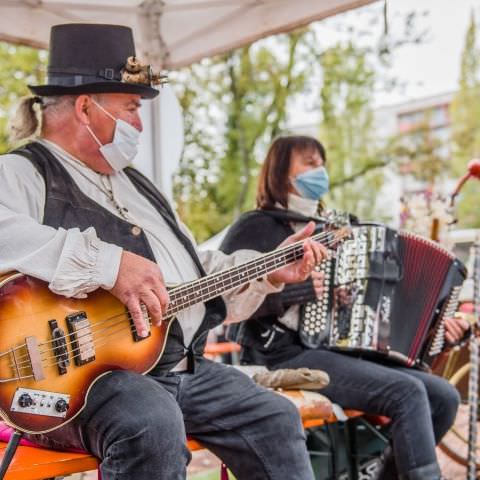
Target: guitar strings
<point>20,364</point>
<point>178,291</point>
<point>205,290</point>
<point>290,254</point>
<point>95,342</point>
<point>296,247</point>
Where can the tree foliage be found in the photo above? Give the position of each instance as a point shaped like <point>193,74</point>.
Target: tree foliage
<point>421,154</point>
<point>242,98</point>
<point>236,104</point>
<point>347,130</point>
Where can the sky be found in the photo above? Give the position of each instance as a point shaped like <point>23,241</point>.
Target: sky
<point>427,69</point>
<point>434,66</point>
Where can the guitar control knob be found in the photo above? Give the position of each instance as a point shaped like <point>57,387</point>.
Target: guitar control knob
<point>25,400</point>
<point>61,406</point>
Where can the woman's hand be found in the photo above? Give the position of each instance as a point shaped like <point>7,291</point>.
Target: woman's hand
<point>455,329</point>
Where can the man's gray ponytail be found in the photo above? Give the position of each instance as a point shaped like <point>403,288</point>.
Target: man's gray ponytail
<point>26,121</point>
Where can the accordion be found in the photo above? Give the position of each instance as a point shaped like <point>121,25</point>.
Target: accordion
<point>386,296</point>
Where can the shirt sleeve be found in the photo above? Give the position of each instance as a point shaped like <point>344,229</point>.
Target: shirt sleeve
<point>72,262</point>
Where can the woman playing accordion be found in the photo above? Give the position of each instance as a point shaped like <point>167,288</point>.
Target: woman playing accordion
<point>421,406</point>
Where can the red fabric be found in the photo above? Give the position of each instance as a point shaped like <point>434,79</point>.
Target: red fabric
<point>6,433</point>
<point>224,473</point>
<point>380,420</point>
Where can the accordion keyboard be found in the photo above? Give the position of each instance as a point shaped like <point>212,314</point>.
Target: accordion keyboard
<point>315,317</point>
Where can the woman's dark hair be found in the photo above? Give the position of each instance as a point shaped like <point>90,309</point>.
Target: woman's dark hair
<point>273,184</point>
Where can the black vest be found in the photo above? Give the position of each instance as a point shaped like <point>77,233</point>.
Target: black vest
<point>67,206</point>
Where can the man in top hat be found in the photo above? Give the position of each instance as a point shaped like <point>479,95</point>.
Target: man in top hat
<point>74,214</point>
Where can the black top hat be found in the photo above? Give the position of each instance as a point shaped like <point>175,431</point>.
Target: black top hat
<point>91,58</point>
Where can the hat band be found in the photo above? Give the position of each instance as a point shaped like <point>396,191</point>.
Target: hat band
<point>76,80</point>
<point>70,77</point>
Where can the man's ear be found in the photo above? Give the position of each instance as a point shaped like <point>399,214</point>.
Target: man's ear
<point>83,105</point>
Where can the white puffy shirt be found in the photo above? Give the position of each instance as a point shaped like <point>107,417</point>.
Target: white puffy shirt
<point>76,262</point>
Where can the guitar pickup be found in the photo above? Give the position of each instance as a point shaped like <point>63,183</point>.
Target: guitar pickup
<point>81,338</point>
<point>146,319</point>
<point>59,344</point>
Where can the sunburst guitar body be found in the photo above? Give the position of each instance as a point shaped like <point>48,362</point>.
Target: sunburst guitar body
<point>53,348</point>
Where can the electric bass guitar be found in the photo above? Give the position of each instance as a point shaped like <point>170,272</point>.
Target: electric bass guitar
<point>53,348</point>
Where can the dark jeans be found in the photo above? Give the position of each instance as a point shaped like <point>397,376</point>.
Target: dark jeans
<point>137,426</point>
<point>421,406</point>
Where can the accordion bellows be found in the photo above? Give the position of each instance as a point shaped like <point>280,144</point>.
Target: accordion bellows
<point>386,296</point>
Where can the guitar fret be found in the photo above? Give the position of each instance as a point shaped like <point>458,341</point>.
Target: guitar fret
<point>209,287</point>
<point>225,281</point>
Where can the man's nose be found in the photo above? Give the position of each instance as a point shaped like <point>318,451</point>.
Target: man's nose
<point>137,123</point>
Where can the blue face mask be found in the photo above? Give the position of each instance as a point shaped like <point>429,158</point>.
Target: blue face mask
<point>312,184</point>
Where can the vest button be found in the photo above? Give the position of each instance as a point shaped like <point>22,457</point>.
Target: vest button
<point>136,230</point>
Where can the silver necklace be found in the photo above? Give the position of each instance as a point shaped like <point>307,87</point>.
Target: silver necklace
<point>108,190</point>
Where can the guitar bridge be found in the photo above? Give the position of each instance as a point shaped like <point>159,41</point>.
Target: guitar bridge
<point>81,338</point>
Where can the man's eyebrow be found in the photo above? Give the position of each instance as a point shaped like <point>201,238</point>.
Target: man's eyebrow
<point>135,103</point>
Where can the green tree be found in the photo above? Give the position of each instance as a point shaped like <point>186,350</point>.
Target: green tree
<point>242,98</point>
<point>347,129</point>
<point>235,104</point>
<point>19,67</point>
<point>465,116</point>
<point>420,154</point>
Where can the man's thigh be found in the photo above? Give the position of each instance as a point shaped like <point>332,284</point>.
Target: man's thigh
<point>255,431</point>
<point>223,395</point>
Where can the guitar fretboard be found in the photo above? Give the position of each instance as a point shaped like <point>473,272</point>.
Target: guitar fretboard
<point>211,286</point>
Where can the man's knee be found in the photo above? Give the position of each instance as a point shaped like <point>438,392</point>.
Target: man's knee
<point>139,410</point>
<point>287,417</point>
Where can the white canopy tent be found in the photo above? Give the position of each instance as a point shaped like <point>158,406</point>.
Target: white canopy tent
<point>169,34</point>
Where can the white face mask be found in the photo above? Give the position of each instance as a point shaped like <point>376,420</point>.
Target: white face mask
<point>124,146</point>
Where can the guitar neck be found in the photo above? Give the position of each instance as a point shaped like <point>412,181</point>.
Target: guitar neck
<point>216,284</point>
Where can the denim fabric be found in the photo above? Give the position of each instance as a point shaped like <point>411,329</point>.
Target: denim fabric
<point>138,424</point>
<point>421,406</point>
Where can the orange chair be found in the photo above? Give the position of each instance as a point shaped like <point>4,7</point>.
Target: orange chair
<point>36,463</point>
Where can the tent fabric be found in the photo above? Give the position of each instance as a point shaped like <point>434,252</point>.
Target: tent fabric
<point>169,33</point>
